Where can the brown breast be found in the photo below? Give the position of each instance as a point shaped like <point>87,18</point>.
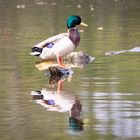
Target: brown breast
<point>74,36</point>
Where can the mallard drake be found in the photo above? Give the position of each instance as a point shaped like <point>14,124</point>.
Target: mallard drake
<point>62,44</point>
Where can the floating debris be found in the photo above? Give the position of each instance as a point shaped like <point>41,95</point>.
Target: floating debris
<point>135,49</point>
<point>79,6</point>
<point>53,3</point>
<point>91,7</point>
<point>11,77</point>
<point>81,31</point>
<point>39,2</point>
<point>100,28</point>
<point>23,6</point>
<point>114,53</point>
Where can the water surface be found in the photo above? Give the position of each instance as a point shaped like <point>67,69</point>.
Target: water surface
<point>108,88</point>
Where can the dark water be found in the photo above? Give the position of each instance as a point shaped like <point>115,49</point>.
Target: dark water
<point>108,88</point>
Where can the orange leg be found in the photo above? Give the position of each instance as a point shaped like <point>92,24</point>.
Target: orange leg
<point>60,84</point>
<point>59,60</point>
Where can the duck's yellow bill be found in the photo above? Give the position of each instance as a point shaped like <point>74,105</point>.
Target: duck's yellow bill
<point>84,24</point>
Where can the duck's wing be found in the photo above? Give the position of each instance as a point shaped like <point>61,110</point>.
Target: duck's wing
<point>51,40</point>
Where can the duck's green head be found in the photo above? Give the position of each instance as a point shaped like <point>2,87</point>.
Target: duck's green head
<point>74,20</point>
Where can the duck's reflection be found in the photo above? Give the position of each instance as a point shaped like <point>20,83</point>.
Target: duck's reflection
<point>75,120</point>
<point>55,100</point>
<point>61,103</point>
<point>52,100</point>
<point>56,74</point>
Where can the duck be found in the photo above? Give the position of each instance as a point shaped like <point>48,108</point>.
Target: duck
<point>58,46</point>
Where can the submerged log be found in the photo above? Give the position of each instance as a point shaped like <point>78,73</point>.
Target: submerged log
<point>135,49</point>
<point>74,59</point>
